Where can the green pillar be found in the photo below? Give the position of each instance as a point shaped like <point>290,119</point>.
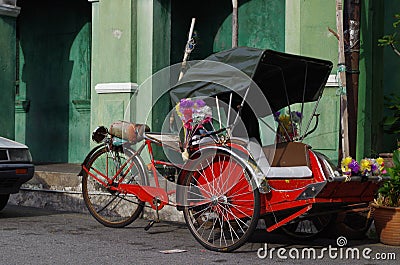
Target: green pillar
<point>8,14</point>
<point>130,41</point>
<point>114,59</point>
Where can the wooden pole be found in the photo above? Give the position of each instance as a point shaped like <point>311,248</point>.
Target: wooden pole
<point>188,49</point>
<point>344,134</point>
<point>235,24</point>
<point>352,11</point>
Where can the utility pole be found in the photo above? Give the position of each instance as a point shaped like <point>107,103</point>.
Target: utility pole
<point>352,10</point>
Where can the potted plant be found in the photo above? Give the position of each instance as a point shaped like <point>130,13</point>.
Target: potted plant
<point>387,205</point>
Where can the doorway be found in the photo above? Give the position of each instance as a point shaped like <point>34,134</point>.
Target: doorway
<point>54,40</point>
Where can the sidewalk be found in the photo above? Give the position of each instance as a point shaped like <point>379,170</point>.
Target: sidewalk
<point>58,187</point>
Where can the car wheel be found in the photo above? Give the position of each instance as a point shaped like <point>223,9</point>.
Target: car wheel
<point>3,200</point>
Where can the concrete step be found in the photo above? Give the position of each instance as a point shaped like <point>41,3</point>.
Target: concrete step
<point>56,177</point>
<point>58,187</point>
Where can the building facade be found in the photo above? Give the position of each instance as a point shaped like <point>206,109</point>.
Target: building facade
<point>68,66</point>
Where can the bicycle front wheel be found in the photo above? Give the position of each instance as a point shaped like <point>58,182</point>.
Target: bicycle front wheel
<point>109,207</point>
<point>222,202</point>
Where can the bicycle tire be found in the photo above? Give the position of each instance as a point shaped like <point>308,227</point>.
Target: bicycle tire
<point>222,204</point>
<point>111,208</point>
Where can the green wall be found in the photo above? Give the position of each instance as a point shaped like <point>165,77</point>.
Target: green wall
<point>261,25</point>
<point>7,75</point>
<point>306,33</point>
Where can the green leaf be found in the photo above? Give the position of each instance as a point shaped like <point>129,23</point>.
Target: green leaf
<point>396,161</point>
<point>388,121</point>
<point>394,107</point>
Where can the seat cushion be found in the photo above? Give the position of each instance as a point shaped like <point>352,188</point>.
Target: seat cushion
<point>290,154</point>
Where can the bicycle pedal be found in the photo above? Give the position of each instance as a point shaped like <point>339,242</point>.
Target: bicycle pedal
<point>151,223</point>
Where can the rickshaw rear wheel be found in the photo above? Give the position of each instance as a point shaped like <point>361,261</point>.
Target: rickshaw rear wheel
<point>222,202</point>
<point>111,208</point>
<point>353,224</point>
<point>308,227</point>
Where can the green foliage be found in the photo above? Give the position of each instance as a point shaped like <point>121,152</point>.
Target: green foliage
<point>387,40</point>
<point>392,123</point>
<point>396,23</point>
<point>389,193</point>
<point>391,39</point>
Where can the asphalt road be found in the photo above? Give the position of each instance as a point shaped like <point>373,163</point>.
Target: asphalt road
<point>38,236</point>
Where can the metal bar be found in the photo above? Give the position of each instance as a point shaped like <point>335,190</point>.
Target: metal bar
<point>289,218</point>
<point>218,111</point>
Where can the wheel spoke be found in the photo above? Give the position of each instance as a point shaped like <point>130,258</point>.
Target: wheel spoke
<point>232,207</point>
<point>113,209</point>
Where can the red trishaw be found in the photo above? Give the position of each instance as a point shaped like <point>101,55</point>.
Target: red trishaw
<point>230,174</point>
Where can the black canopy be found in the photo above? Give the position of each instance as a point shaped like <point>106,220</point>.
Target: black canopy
<point>283,79</point>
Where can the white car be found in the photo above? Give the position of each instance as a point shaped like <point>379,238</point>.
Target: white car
<point>16,168</point>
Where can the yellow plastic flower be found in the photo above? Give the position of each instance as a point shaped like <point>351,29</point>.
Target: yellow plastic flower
<point>381,163</point>
<point>178,111</point>
<point>347,160</point>
<point>346,169</point>
<point>284,119</point>
<point>345,164</point>
<point>365,165</point>
<point>284,125</point>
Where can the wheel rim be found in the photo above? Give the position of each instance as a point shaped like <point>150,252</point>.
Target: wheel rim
<point>222,206</point>
<point>111,208</point>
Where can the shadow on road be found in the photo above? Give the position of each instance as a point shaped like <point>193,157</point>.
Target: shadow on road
<point>14,211</point>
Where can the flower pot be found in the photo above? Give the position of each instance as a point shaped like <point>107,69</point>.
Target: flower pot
<point>387,224</point>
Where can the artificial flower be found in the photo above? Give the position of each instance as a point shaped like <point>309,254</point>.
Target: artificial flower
<point>354,166</point>
<point>288,124</point>
<point>193,113</point>
<point>349,166</point>
<point>367,166</point>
